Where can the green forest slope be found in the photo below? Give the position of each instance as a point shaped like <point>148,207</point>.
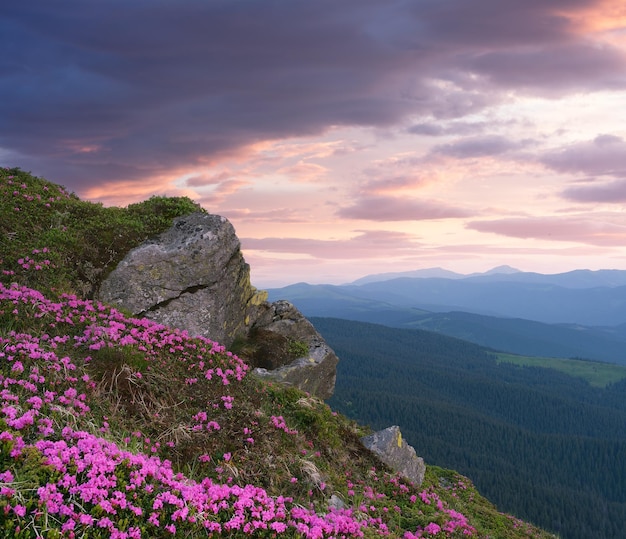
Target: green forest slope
<point>546,446</point>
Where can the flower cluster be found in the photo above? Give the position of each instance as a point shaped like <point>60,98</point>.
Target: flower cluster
<point>90,483</point>
<point>101,486</point>
<point>279,423</point>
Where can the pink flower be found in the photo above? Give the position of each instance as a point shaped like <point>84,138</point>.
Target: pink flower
<point>432,528</point>
<point>19,510</point>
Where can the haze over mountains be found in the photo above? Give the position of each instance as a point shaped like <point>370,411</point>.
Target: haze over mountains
<point>580,313</point>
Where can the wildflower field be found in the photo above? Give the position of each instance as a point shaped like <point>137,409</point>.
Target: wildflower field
<point>117,427</point>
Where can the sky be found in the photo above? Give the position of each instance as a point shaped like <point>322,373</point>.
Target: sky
<point>340,138</point>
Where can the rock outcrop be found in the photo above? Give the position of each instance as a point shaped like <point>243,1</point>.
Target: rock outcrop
<point>315,370</point>
<point>393,450</point>
<point>194,277</point>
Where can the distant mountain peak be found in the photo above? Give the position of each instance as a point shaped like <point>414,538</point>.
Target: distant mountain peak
<point>502,269</point>
<point>432,273</point>
<point>427,273</point>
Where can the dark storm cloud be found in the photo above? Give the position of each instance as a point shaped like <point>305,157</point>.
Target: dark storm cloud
<point>112,90</point>
<point>553,71</point>
<point>494,23</point>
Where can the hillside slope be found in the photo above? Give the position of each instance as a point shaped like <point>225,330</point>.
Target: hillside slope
<point>514,430</point>
<point>118,427</point>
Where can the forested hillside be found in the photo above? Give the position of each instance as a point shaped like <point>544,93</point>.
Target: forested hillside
<point>548,447</point>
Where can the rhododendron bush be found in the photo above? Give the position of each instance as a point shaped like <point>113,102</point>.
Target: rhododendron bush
<point>88,482</point>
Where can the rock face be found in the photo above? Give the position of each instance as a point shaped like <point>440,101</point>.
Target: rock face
<point>316,370</point>
<point>194,277</point>
<point>391,448</point>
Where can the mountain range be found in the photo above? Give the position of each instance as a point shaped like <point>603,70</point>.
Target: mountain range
<point>580,313</point>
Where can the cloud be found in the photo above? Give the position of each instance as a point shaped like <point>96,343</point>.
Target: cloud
<point>441,129</point>
<point>367,244</point>
<point>305,172</point>
<point>552,71</point>
<point>479,146</point>
<point>399,209</point>
<point>221,191</point>
<point>592,230</point>
<point>497,23</point>
<point>282,215</point>
<point>133,89</point>
<point>612,192</point>
<point>203,180</point>
<point>603,156</point>
<point>393,184</point>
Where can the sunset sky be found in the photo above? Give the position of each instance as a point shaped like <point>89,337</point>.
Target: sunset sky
<point>340,137</point>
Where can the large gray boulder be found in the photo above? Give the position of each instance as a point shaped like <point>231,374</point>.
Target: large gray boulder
<point>393,450</point>
<point>194,277</point>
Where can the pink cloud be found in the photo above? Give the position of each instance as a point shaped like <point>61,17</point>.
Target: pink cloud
<point>592,231</point>
<point>202,180</point>
<point>400,209</point>
<point>278,215</point>
<point>221,191</point>
<point>367,244</point>
<point>612,192</point>
<point>603,156</point>
<point>304,172</point>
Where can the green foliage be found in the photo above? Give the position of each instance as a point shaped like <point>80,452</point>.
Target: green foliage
<point>157,212</point>
<point>298,349</point>
<point>73,244</point>
<point>598,374</point>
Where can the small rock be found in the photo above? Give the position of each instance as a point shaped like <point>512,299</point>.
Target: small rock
<point>393,450</point>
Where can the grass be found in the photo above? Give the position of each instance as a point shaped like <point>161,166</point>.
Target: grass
<point>597,373</point>
<point>116,427</point>
<point>52,239</point>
